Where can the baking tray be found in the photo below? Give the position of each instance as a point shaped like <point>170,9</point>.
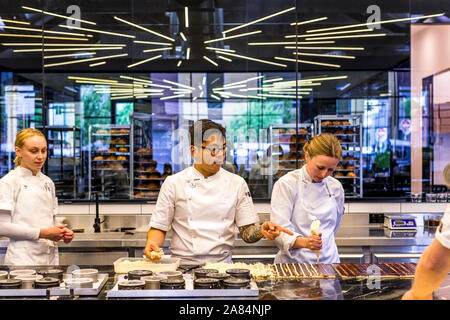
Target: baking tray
<point>387,270</point>
<point>61,291</point>
<point>165,264</point>
<point>189,292</point>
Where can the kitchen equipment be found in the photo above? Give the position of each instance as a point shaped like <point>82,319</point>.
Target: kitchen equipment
<point>47,282</point>
<point>138,274</point>
<point>218,276</point>
<point>206,283</point>
<point>10,284</point>
<point>171,275</point>
<point>53,273</point>
<point>431,197</point>
<point>400,222</point>
<point>236,283</point>
<point>152,282</point>
<point>86,273</point>
<point>3,274</point>
<point>21,272</point>
<point>201,273</point>
<point>75,283</point>
<point>239,273</point>
<point>172,284</point>
<point>131,285</point>
<point>124,265</point>
<point>365,270</point>
<point>29,281</point>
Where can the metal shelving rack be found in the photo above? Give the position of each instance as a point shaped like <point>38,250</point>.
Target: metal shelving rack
<point>65,175</point>
<point>109,160</point>
<point>348,129</point>
<point>287,134</point>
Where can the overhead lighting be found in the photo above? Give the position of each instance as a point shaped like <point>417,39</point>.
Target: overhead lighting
<point>355,36</point>
<point>186,17</point>
<point>68,49</point>
<point>328,33</point>
<point>224,58</point>
<point>243,81</point>
<point>254,59</point>
<point>173,97</point>
<point>195,98</point>
<point>188,52</point>
<point>144,61</point>
<point>210,61</point>
<point>258,20</point>
<point>219,49</point>
<point>136,79</point>
<point>124,97</point>
<point>293,82</point>
<point>272,80</point>
<point>15,21</point>
<point>97,64</point>
<point>230,87</point>
<point>93,79</point>
<point>326,48</point>
<point>85,60</point>
<point>183,36</point>
<point>152,42</point>
<point>45,31</point>
<point>157,49</point>
<point>58,15</point>
<point>309,62</point>
<point>145,29</point>
<point>97,31</point>
<point>323,55</point>
<point>377,22</point>
<point>69,55</point>
<point>179,63</point>
<point>308,21</point>
<point>277,96</point>
<point>63,44</point>
<point>178,84</point>
<point>19,35</point>
<point>284,43</point>
<point>232,37</point>
<point>215,97</point>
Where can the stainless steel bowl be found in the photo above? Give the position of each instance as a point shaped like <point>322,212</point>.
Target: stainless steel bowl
<point>131,285</point>
<point>152,282</point>
<point>75,283</point>
<point>29,281</point>
<point>171,275</point>
<point>86,273</point>
<point>3,274</point>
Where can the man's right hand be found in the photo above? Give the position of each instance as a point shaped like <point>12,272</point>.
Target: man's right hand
<point>148,251</point>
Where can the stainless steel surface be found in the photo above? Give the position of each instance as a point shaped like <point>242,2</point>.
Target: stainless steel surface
<point>86,273</point>
<point>29,281</point>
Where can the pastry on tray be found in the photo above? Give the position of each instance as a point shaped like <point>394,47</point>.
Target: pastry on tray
<point>351,174</point>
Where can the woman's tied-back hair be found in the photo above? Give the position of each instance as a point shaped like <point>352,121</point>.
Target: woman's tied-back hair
<point>324,144</point>
<point>20,140</point>
<point>202,129</point>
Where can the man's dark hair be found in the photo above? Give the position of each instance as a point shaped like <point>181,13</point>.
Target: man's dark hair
<point>202,129</point>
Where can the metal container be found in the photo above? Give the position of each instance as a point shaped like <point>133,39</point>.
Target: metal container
<point>206,283</point>
<point>172,284</point>
<point>3,274</point>
<point>131,285</point>
<point>201,273</point>
<point>29,281</point>
<point>52,273</point>
<point>152,282</point>
<point>171,275</point>
<point>47,282</point>
<point>75,283</point>
<point>236,283</point>
<point>138,274</point>
<point>22,272</point>
<point>239,273</point>
<point>218,276</point>
<point>10,284</point>
<point>86,273</point>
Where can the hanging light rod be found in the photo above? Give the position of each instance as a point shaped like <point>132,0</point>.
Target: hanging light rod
<point>45,31</point>
<point>57,15</point>
<point>377,23</point>
<point>15,21</point>
<point>219,49</point>
<point>284,43</point>
<point>178,84</point>
<point>85,60</point>
<point>93,79</point>
<point>210,61</point>
<point>186,17</point>
<point>144,61</point>
<point>152,42</point>
<point>232,37</point>
<point>254,59</point>
<point>40,36</point>
<point>179,63</point>
<point>323,55</point>
<point>326,48</point>
<point>328,33</point>
<point>62,44</point>
<point>145,29</point>
<point>97,64</point>
<point>157,49</point>
<point>188,53</point>
<point>258,20</point>
<point>308,21</point>
<point>309,62</point>
<point>347,37</point>
<point>70,55</point>
<point>183,36</point>
<point>97,31</point>
<point>68,49</point>
<point>173,97</point>
<point>224,58</point>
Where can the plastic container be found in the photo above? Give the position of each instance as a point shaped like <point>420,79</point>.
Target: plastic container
<point>125,265</point>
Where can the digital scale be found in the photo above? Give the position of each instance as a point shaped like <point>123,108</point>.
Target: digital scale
<point>400,222</point>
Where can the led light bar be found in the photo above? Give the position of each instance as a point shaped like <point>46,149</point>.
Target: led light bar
<point>232,37</point>
<point>145,29</point>
<point>254,59</point>
<point>210,61</point>
<point>85,60</point>
<point>97,31</point>
<point>144,61</point>
<point>57,15</point>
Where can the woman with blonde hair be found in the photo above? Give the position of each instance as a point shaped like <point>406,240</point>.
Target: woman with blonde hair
<point>306,195</point>
<point>28,206</point>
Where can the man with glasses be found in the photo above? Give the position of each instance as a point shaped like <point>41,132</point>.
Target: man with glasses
<point>203,204</point>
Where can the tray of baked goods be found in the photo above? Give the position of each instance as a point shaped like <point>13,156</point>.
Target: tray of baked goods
<point>111,132</point>
<point>382,270</point>
<point>152,175</point>
<point>53,282</point>
<point>144,152</point>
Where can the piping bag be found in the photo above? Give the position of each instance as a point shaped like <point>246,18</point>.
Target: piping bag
<point>315,230</point>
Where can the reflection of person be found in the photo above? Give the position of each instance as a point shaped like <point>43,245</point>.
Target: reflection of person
<point>258,177</point>
<point>117,182</point>
<point>309,194</point>
<point>434,265</point>
<point>28,206</point>
<point>203,205</point>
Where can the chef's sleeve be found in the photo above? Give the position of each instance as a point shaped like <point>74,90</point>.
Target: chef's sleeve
<point>281,210</point>
<point>8,229</point>
<point>245,210</point>
<point>443,230</point>
<point>341,208</point>
<point>163,214</point>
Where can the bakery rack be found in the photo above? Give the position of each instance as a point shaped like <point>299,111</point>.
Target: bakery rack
<point>348,129</point>
<point>109,160</point>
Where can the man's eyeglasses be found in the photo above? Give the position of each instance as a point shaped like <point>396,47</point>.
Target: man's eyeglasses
<point>213,150</point>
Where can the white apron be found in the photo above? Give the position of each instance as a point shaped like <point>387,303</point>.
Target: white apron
<point>308,207</point>
<point>33,207</point>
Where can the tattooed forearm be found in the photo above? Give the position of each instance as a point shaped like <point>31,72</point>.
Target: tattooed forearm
<point>251,233</point>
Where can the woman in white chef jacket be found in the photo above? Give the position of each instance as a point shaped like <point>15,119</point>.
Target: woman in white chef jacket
<point>309,194</point>
<point>28,206</point>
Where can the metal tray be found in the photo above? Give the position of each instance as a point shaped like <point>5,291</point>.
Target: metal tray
<point>189,292</point>
<point>61,291</point>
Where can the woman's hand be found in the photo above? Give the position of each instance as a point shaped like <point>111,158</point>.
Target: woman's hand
<point>271,230</point>
<point>55,233</point>
<point>313,242</point>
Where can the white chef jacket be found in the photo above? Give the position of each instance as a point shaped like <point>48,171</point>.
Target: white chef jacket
<point>203,214</point>
<point>443,231</point>
<point>27,204</point>
<point>296,202</point>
